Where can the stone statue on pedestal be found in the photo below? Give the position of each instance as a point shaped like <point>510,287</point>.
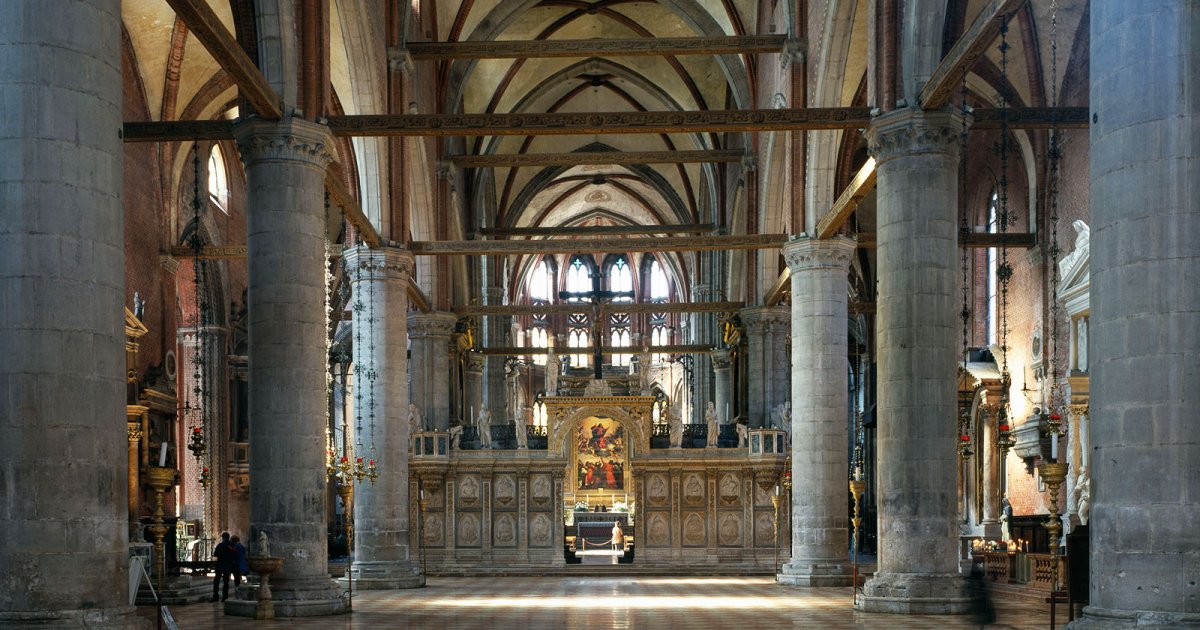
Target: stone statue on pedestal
<point>264,548</point>
<point>1005,518</point>
<point>675,422</point>
<point>1082,496</point>
<point>522,422</point>
<point>714,427</point>
<point>456,432</point>
<point>743,434</point>
<point>484,424</point>
<point>416,423</point>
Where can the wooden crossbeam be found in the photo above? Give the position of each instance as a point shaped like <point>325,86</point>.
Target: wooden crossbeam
<point>693,348</point>
<point>1007,239</point>
<point>603,123</point>
<point>612,230</point>
<point>221,44</point>
<point>341,197</point>
<point>641,47</point>
<point>210,252</point>
<point>613,244</point>
<point>586,308</point>
<point>947,77</point>
<point>862,184</point>
<point>584,158</point>
<point>866,240</point>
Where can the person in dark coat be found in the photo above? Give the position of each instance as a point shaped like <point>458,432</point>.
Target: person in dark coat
<point>241,566</point>
<point>983,612</point>
<point>226,555</point>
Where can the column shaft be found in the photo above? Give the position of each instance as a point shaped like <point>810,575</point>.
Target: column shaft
<point>285,174</point>
<point>430,366</point>
<point>63,505</point>
<point>723,385</point>
<point>820,412</point>
<point>768,368</point>
<point>1145,317</point>
<point>382,558</point>
<point>917,155</point>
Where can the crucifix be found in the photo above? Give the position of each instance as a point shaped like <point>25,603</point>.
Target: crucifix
<point>597,296</point>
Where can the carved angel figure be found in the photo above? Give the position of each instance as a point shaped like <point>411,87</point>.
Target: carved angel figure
<point>484,423</point>
<point>456,432</point>
<point>714,428</point>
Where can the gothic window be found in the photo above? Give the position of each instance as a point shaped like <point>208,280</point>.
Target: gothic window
<point>659,335</point>
<point>578,336</point>
<point>620,277</point>
<point>619,336</point>
<point>659,289</point>
<point>218,184</point>
<point>658,413</point>
<point>541,283</point>
<point>993,265</point>
<point>578,277</point>
<point>539,338</point>
<point>539,414</point>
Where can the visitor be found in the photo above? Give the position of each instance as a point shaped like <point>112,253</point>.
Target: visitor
<point>226,556</point>
<point>618,537</point>
<point>241,564</point>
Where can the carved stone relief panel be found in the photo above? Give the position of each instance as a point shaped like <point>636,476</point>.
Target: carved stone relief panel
<point>539,530</point>
<point>764,531</point>
<point>468,491</point>
<point>433,530</point>
<point>468,530</point>
<point>506,491</point>
<point>504,532</point>
<point>762,496</point>
<point>657,490</point>
<point>730,490</point>
<point>729,529</point>
<point>539,490</point>
<point>694,530</point>
<point>693,488</point>
<point>658,529</point>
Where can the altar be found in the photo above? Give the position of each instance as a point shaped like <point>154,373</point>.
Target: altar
<point>505,510</point>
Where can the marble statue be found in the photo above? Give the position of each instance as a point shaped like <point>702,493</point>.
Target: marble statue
<point>456,432</point>
<point>551,374</point>
<point>484,423</point>
<point>1005,518</point>
<point>675,425</point>
<point>743,434</point>
<point>714,427</point>
<point>1081,344</point>
<point>1083,495</point>
<point>781,418</point>
<point>416,423</point>
<point>522,422</point>
<point>264,548</point>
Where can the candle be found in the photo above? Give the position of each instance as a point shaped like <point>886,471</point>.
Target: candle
<point>162,456</point>
<point>776,489</point>
<point>858,473</point>
<point>422,494</point>
<point>1053,447</point>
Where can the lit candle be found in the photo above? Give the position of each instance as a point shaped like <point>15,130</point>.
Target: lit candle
<point>858,473</point>
<point>162,456</point>
<point>776,489</point>
<point>421,494</point>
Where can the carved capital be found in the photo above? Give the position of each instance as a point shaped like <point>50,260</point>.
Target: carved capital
<point>721,359</point>
<point>804,253</point>
<point>764,319</point>
<point>475,361</point>
<point>912,132</point>
<point>794,52</point>
<point>286,141</point>
<point>402,60</point>
<point>384,263</point>
<point>134,431</point>
<point>169,263</point>
<point>435,324</point>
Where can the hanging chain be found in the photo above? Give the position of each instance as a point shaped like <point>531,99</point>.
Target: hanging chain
<point>1004,269</point>
<point>370,470</point>
<point>964,230</point>
<point>359,371</point>
<point>1054,424</point>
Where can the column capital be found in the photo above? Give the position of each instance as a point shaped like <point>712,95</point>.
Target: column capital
<point>291,140</point>
<point>702,292</point>
<point>805,253</point>
<point>761,319</point>
<point>721,359</point>
<point>434,324</point>
<point>475,362</point>
<point>382,262</point>
<point>911,131</point>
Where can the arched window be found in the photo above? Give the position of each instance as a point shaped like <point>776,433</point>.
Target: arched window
<point>541,283</point>
<point>578,336</point>
<point>579,277</point>
<point>659,289</point>
<point>619,337</point>
<point>218,183</point>
<point>539,414</point>
<point>539,338</point>
<point>993,268</point>
<point>620,277</point>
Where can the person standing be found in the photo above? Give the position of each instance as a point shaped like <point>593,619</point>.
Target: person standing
<point>226,556</point>
<point>241,565</point>
<point>618,537</point>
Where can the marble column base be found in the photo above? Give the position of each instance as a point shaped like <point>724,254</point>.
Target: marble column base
<point>1095,618</point>
<point>307,597</point>
<point>815,573</point>
<point>383,576</point>
<point>915,594</point>
<point>102,618</point>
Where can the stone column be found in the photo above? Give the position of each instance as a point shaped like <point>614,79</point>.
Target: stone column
<point>495,333</point>
<point>917,157</point>
<point>820,409</point>
<point>986,447</point>
<point>379,281</point>
<point>63,518</point>
<point>430,366</point>
<point>768,368</point>
<point>285,174</point>
<point>1145,315</point>
<point>702,332</point>
<point>722,363</point>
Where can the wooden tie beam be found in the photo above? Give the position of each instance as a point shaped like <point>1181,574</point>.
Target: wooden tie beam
<point>615,244</point>
<point>611,230</point>
<point>583,308</point>
<point>947,77</point>
<point>605,123</point>
<point>862,184</point>
<point>587,158</point>
<point>694,348</point>
<point>640,47</point>
<point>222,45</point>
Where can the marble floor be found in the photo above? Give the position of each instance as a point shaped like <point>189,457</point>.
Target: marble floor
<point>743,603</point>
